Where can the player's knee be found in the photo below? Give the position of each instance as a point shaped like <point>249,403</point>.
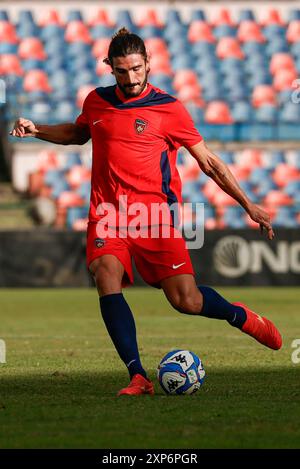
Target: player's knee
<point>107,276</point>
<point>187,304</point>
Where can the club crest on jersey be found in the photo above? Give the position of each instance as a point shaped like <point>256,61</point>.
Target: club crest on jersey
<point>140,126</point>
<point>99,242</point>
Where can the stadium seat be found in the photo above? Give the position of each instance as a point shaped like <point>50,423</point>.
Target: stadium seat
<point>293,31</point>
<point>46,160</point>
<point>200,31</point>
<point>36,80</point>
<point>101,18</point>
<point>10,64</point>
<point>293,15</point>
<point>249,31</point>
<point>50,17</point>
<point>172,17</point>
<point>276,45</point>
<point>77,31</point>
<point>284,78</point>
<point>76,175</point>
<point>222,16</point>
<point>198,15</point>
<point>285,217</point>
<point>285,173</point>
<point>224,30</point>
<point>276,198</point>
<point>124,19</point>
<point>270,17</point>
<point>292,187</point>
<point>184,77</point>
<point>156,45</point>
<point>259,174</point>
<point>218,112</point>
<point>74,15</point>
<point>4,15</point>
<point>8,33</point>
<point>75,213</point>
<point>281,61</point>
<point>246,15</point>
<point>263,94</point>
<point>150,18</point>
<point>229,47</point>
<point>190,93</point>
<point>31,48</point>
<point>249,159</point>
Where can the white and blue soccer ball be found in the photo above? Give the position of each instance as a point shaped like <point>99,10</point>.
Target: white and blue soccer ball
<point>180,372</point>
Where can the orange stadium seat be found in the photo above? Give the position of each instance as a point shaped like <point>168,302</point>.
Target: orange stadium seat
<point>10,64</point>
<point>50,17</point>
<point>218,112</point>
<point>229,47</point>
<point>156,45</point>
<point>185,77</point>
<point>293,31</point>
<point>285,173</point>
<point>263,94</point>
<point>31,48</point>
<point>250,31</point>
<point>280,61</point>
<point>276,198</point>
<point>77,31</point>
<point>100,47</point>
<point>36,80</point>
<point>271,16</point>
<point>284,79</point>
<point>8,33</point>
<point>101,17</point>
<point>200,31</point>
<point>150,18</point>
<point>223,16</point>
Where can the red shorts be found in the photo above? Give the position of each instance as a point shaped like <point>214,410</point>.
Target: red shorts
<point>156,258</point>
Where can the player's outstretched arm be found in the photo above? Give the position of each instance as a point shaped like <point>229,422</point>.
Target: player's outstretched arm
<point>63,134</point>
<point>215,168</point>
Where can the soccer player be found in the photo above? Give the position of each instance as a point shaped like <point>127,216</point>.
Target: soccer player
<point>136,130</point>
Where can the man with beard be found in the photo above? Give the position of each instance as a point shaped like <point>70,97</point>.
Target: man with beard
<point>136,130</point>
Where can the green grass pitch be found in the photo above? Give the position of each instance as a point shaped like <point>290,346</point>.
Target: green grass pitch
<point>59,383</point>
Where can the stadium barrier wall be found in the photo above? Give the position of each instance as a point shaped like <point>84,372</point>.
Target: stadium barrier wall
<point>229,257</point>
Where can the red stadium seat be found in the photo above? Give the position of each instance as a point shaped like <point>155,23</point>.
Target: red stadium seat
<point>102,68</point>
<point>281,60</point>
<point>285,173</point>
<point>185,77</point>
<point>156,45</point>
<point>82,93</point>
<point>293,31</point>
<point>10,64</point>
<point>31,48</point>
<point>218,112</point>
<point>284,79</point>
<point>249,158</point>
<point>77,31</point>
<point>76,175</point>
<point>200,31</point>
<point>276,198</point>
<point>36,80</point>
<point>240,172</point>
<point>272,16</point>
<point>250,31</point>
<point>8,33</point>
<point>222,16</point>
<point>229,47</point>
<point>160,64</point>
<point>264,94</point>
<point>210,189</point>
<point>221,199</point>
<point>50,17</point>
<point>47,159</point>
<point>101,18</point>
<point>190,94</point>
<point>150,18</point>
<point>100,47</point>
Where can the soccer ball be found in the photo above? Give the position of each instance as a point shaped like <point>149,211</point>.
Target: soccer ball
<point>180,372</point>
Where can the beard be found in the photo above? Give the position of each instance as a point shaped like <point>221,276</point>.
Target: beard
<point>131,91</point>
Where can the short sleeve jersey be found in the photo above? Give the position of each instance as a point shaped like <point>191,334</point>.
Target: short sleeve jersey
<point>135,143</point>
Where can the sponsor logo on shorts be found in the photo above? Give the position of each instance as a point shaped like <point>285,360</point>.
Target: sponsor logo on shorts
<point>99,242</point>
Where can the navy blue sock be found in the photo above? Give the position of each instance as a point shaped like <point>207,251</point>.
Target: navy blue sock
<point>215,306</point>
<point>120,325</point>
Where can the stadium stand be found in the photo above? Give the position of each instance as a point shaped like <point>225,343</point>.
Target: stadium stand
<point>237,76</point>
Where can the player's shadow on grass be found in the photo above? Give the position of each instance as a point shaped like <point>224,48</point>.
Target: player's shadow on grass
<point>57,386</point>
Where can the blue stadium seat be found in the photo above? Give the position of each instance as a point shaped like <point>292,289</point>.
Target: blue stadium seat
<point>289,120</point>
<point>150,31</point>
<point>232,65</point>
<point>84,77</point>
<point>273,31</point>
<point>75,49</point>
<point>82,62</point>
<point>64,111</point>
<point>276,45</point>
<point>25,30</point>
<point>173,30</point>
<point>203,48</point>
<point>71,159</point>
<point>224,30</point>
<point>172,16</point>
<point>60,185</point>
<point>101,30</point>
<point>74,15</point>
<point>124,19</point>
<point>259,174</point>
<point>7,48</point>
<point>295,50</point>
<point>198,15</point>
<point>242,111</point>
<point>4,15</point>
<point>245,15</point>
<point>54,64</point>
<point>59,79</point>
<point>52,176</point>
<point>273,159</point>
<point>52,31</point>
<point>40,112</point>
<point>182,62</point>
<point>84,191</point>
<point>252,47</point>
<point>285,217</point>
<point>106,80</point>
<point>292,188</point>
<point>293,14</point>
<point>226,156</point>
<point>55,46</point>
<point>33,64</point>
<point>25,16</point>
<point>264,187</point>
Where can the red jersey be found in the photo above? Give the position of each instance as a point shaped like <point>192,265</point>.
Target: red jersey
<point>135,143</point>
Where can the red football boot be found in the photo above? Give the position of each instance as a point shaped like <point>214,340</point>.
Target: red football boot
<point>261,329</point>
<point>137,386</point>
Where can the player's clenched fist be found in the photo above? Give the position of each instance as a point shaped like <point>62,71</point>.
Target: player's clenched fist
<point>24,128</point>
